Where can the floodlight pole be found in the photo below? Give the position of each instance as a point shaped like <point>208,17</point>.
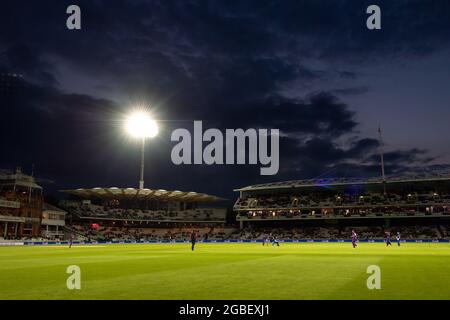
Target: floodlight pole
<point>141,181</point>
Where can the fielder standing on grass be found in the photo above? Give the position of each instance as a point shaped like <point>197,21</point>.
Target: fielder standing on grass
<point>388,239</point>
<point>264,239</point>
<point>193,239</point>
<point>275,241</point>
<point>70,240</point>
<point>354,239</point>
<point>398,237</point>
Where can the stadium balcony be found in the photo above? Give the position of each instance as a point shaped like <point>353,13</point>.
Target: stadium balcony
<point>328,213</point>
<point>366,205</point>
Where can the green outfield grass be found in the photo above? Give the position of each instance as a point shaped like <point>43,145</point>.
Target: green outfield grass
<point>227,271</point>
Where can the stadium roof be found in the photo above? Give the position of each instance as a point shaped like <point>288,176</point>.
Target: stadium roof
<point>18,179</point>
<point>49,207</point>
<point>344,181</point>
<point>150,194</point>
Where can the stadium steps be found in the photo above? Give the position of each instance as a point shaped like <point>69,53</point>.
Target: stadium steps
<point>67,230</point>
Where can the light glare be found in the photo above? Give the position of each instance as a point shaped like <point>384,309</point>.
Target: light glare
<point>141,125</point>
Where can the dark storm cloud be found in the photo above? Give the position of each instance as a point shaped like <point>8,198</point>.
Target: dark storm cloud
<point>226,63</point>
<point>22,59</point>
<point>54,129</point>
<point>408,27</point>
<point>360,158</point>
<point>320,114</point>
<point>405,158</point>
<point>225,36</point>
<point>351,91</point>
<point>317,155</point>
<point>347,75</point>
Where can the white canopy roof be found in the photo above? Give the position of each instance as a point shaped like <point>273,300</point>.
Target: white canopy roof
<point>150,194</point>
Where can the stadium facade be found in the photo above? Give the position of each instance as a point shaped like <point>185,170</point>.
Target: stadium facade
<point>419,206</point>
<point>410,200</point>
<point>23,212</point>
<point>115,213</point>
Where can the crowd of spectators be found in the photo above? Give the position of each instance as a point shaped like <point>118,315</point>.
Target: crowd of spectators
<point>149,234</point>
<point>433,232</point>
<point>98,211</point>
<point>107,233</point>
<point>369,204</point>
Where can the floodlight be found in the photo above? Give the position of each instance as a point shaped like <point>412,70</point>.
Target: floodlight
<point>141,125</point>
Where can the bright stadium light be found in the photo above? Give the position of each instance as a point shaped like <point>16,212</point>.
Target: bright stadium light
<point>141,125</point>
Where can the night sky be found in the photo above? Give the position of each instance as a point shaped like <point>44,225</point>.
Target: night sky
<point>309,68</point>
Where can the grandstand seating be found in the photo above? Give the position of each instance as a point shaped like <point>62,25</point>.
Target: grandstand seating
<point>412,232</point>
<point>135,234</point>
<point>255,232</point>
<point>98,211</point>
<point>364,233</point>
<point>342,205</point>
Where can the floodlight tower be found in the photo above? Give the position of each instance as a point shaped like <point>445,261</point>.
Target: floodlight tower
<point>141,125</point>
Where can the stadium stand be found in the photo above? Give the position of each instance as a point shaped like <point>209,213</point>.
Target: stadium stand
<point>319,200</point>
<point>115,233</point>
<point>332,233</point>
<point>416,206</point>
<point>142,205</point>
<point>89,210</point>
<point>326,209</point>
